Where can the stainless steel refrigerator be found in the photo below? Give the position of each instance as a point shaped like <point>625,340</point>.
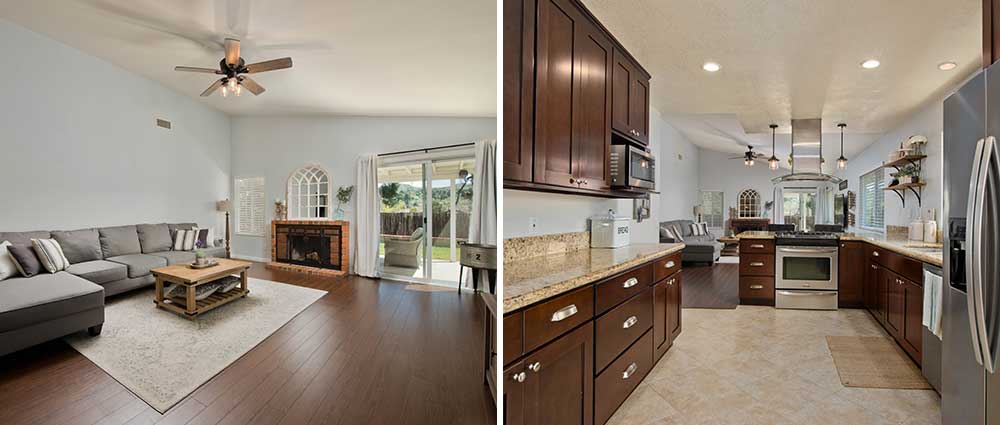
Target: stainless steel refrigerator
<point>970,392</point>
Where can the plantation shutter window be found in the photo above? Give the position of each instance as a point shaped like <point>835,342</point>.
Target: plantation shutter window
<point>250,206</point>
<point>872,187</point>
<point>711,202</point>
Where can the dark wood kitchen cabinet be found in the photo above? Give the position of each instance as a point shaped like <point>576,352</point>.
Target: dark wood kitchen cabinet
<point>913,319</point>
<point>871,286</point>
<point>666,314</point>
<point>518,88</point>
<point>558,99</point>
<point>559,381</point>
<point>895,297</point>
<point>895,308</point>
<point>850,277</point>
<point>991,32</point>
<point>513,394</point>
<point>630,99</point>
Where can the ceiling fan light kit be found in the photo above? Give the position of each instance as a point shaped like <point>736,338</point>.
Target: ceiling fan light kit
<point>233,69</point>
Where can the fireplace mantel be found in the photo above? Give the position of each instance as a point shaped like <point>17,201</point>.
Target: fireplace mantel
<point>283,232</point>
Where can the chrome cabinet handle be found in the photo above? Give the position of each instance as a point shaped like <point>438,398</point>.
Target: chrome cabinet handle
<point>756,286</point>
<point>756,264</point>
<point>874,267</point>
<point>757,246</point>
<point>519,377</point>
<point>628,372</point>
<point>535,367</point>
<point>671,282</point>
<point>669,265</point>
<point>874,253</point>
<point>630,282</point>
<point>564,313</point>
<point>630,322</point>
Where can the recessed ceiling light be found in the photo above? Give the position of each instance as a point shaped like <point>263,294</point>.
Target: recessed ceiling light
<point>947,66</point>
<point>870,64</point>
<point>711,66</point>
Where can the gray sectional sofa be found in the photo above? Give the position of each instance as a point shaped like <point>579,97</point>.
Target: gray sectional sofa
<point>103,262</point>
<point>705,248</point>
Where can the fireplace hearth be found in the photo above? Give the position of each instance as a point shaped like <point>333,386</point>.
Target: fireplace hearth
<point>310,245</point>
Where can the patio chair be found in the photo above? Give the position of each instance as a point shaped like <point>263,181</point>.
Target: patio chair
<point>405,252</point>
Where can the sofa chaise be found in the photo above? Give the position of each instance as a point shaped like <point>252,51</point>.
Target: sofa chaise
<point>103,262</point>
<point>705,248</point>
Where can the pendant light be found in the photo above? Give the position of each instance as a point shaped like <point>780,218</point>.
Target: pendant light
<point>772,162</point>
<point>842,161</point>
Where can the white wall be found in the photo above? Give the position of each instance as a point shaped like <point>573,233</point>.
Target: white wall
<point>79,146</point>
<point>274,147</point>
<point>928,121</point>
<point>677,182</point>
<point>719,173</point>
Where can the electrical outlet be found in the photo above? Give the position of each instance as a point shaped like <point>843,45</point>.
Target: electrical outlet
<point>532,225</point>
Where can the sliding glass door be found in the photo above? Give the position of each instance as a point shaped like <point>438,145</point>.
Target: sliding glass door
<point>426,206</point>
<point>798,207</point>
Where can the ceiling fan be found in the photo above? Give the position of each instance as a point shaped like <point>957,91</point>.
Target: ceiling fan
<point>749,156</point>
<point>233,69</point>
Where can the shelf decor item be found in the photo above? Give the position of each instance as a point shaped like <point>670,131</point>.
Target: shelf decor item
<point>917,143</point>
<point>343,196</point>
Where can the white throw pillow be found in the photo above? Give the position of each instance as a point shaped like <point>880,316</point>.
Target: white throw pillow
<point>184,240</point>
<point>7,266</point>
<point>50,254</point>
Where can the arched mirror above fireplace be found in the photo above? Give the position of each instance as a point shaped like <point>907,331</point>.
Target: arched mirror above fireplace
<point>309,193</point>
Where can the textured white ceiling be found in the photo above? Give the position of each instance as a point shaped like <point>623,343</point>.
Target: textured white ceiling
<point>418,57</point>
<point>784,59</point>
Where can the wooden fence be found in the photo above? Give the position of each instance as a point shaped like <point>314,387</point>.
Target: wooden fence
<point>405,223</point>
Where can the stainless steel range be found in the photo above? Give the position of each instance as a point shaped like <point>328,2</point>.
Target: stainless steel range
<point>806,270</point>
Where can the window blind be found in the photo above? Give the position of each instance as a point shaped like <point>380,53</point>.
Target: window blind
<point>872,199</point>
<point>711,202</point>
<point>250,206</point>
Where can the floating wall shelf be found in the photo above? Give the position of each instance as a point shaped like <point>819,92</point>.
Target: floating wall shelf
<point>900,189</point>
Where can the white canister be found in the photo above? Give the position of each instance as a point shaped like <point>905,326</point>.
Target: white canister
<point>916,230</point>
<point>930,231</point>
<point>608,231</point>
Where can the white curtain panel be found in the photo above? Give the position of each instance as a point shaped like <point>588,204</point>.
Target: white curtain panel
<point>368,220</point>
<point>483,223</point>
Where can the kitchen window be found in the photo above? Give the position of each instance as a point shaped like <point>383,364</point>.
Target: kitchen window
<point>872,186</point>
<point>711,202</point>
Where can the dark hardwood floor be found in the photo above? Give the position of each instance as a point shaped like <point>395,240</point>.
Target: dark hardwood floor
<point>711,286</point>
<point>368,352</point>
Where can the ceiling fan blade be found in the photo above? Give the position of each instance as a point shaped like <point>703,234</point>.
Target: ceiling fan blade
<point>212,88</point>
<point>270,65</point>
<point>232,52</point>
<point>251,85</point>
<point>196,69</point>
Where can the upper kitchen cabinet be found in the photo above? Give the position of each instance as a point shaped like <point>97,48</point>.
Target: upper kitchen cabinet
<point>630,99</point>
<point>559,98</point>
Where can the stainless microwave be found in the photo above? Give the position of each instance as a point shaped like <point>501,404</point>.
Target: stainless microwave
<point>632,167</point>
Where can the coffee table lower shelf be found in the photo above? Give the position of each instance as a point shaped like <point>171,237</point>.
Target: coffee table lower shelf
<point>179,305</point>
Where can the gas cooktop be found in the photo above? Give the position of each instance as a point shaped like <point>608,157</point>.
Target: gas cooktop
<point>806,238</point>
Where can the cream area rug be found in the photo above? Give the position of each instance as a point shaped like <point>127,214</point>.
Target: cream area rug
<point>874,362</point>
<point>162,357</point>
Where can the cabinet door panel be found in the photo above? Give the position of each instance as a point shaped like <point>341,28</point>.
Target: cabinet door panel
<point>661,325</point>
<point>561,390</point>
<point>640,108</point>
<point>913,322</point>
<point>896,304</point>
<point>851,277</point>
<point>557,22</point>
<point>518,88</point>
<point>674,305</point>
<point>621,77</point>
<point>592,107</point>
<point>513,394</point>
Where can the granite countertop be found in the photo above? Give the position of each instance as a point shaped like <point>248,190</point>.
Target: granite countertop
<point>917,250</point>
<point>530,280</point>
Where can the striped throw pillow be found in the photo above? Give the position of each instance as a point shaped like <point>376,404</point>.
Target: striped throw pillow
<point>678,233</point>
<point>50,254</point>
<point>184,240</point>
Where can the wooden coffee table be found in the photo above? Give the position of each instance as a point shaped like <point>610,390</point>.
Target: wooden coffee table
<point>191,278</point>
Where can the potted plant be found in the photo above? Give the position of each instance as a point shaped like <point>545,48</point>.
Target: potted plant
<point>199,254</point>
<point>908,174</point>
<point>343,197</point>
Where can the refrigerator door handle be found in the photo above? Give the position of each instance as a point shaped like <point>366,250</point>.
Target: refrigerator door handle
<point>987,205</point>
<point>977,253</point>
<point>970,260</point>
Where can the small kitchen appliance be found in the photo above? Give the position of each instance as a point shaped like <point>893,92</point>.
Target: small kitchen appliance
<point>609,231</point>
<point>632,167</point>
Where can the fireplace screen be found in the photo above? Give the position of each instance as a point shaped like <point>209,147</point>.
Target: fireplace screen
<point>309,245</point>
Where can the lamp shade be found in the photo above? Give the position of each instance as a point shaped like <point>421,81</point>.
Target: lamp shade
<point>699,210</point>
<point>223,205</point>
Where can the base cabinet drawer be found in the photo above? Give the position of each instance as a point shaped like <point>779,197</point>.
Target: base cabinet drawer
<point>615,331</point>
<point>756,246</point>
<point>614,385</point>
<point>545,321</point>
<point>756,290</point>
<point>756,264</point>
<point>666,266</point>
<point>613,291</point>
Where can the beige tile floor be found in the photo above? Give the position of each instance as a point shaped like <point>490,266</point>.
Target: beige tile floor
<point>759,365</point>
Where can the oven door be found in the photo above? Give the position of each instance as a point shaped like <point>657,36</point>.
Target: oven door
<point>813,267</point>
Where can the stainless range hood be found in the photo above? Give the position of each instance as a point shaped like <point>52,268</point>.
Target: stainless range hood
<point>807,154</point>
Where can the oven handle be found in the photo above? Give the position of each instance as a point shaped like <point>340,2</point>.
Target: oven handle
<point>806,294</point>
<point>808,250</point>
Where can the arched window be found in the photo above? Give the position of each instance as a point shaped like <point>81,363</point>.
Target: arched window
<point>309,193</point>
<point>749,204</point>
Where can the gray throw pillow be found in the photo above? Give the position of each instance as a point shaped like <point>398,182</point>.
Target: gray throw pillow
<point>79,245</point>
<point>25,259</point>
<point>120,240</point>
<point>154,237</point>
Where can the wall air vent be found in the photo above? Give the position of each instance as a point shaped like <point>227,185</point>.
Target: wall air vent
<point>163,123</point>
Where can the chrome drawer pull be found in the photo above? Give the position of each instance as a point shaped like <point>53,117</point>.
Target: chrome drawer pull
<point>630,282</point>
<point>535,367</point>
<point>519,377</point>
<point>757,246</point>
<point>756,264</point>
<point>630,322</point>
<point>564,312</point>
<point>628,372</point>
<point>756,286</point>
<point>671,282</point>
<point>669,265</point>
<point>874,253</point>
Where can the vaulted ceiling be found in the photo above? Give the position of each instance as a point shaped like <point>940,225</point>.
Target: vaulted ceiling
<point>784,59</point>
<point>418,58</point>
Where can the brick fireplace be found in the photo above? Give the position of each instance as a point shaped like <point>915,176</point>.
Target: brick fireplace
<point>312,246</point>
